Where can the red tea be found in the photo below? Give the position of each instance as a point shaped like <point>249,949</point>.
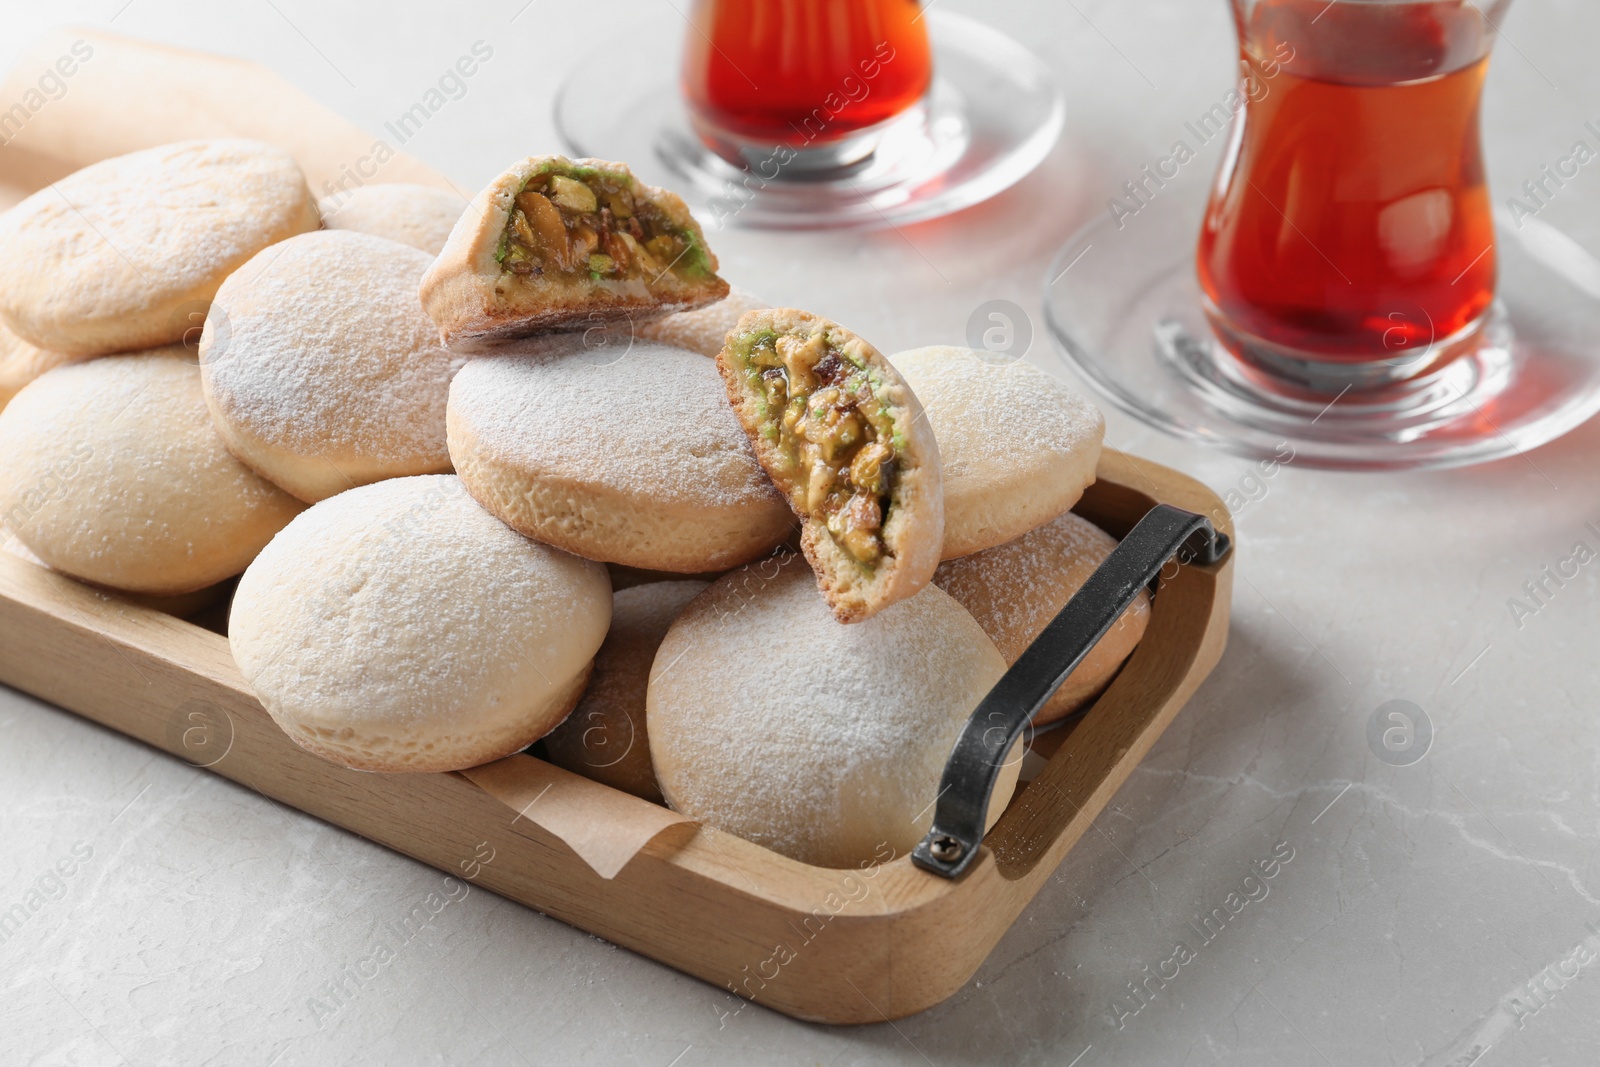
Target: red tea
<point>1351,221</point>
<point>803,72</point>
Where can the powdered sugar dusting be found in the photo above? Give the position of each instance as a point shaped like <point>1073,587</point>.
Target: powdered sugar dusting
<point>402,606</point>
<point>773,721</point>
<point>115,461</point>
<point>1015,589</point>
<point>648,420</point>
<point>320,344</point>
<point>990,411</point>
<point>129,231</point>
<point>416,215</point>
<point>21,363</point>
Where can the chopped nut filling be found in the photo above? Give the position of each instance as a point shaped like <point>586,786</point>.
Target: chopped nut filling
<point>592,223</point>
<point>836,436</point>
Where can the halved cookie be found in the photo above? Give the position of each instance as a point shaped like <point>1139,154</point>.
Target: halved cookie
<point>556,243</point>
<point>842,435</point>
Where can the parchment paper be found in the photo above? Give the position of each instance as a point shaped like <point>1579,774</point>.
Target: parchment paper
<point>605,827</point>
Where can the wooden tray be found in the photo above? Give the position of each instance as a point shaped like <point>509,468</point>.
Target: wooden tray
<point>837,946</point>
<point>828,945</point>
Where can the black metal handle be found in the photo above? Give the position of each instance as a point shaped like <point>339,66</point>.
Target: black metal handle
<point>1165,532</point>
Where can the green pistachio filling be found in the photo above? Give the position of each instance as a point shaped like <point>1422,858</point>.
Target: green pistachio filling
<point>837,439</point>
<point>584,221</point>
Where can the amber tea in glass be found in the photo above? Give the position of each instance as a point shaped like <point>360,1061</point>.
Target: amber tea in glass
<point>1349,239</point>
<point>811,82</point>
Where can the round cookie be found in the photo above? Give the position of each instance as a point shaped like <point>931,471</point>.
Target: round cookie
<point>181,605</point>
<point>1015,589</point>
<point>604,737</point>
<point>114,474</point>
<point>120,255</point>
<point>702,330</point>
<point>1018,447</point>
<point>417,215</point>
<point>21,363</point>
<point>320,368</point>
<point>400,627</point>
<point>627,456</point>
<point>822,741</point>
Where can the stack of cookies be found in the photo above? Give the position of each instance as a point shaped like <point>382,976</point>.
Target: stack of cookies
<point>528,471</point>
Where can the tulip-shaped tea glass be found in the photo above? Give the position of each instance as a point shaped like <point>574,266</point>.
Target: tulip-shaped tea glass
<point>820,82</point>
<point>1350,238</point>
<point>798,114</point>
<point>1343,295</point>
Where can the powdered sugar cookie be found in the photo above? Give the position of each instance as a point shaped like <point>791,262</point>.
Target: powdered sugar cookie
<point>320,368</point>
<point>703,330</point>
<point>417,215</point>
<point>605,738</point>
<point>181,605</point>
<point>400,627</point>
<point>1018,448</point>
<point>1015,589</point>
<point>625,455</point>
<point>116,257</point>
<point>114,474</point>
<point>769,719</point>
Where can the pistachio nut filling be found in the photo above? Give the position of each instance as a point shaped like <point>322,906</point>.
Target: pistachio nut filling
<point>586,222</point>
<point>835,436</point>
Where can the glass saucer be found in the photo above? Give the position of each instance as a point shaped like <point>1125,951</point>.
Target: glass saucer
<point>1124,308</point>
<point>993,114</point>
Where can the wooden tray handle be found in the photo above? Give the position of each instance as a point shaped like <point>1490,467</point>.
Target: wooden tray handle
<point>1165,533</point>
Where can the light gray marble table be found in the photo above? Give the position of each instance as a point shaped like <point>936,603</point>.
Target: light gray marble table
<point>1430,914</point>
